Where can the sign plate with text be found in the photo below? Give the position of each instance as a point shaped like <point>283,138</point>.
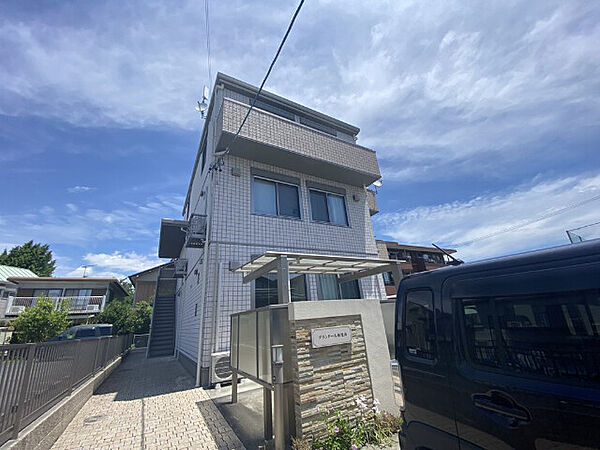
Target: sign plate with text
<point>325,337</point>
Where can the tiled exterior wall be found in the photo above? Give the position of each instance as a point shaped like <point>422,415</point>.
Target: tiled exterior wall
<point>330,378</point>
<point>277,131</point>
<point>236,235</point>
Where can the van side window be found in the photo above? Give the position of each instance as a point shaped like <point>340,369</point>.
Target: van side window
<point>479,332</point>
<point>554,335</point>
<point>420,327</point>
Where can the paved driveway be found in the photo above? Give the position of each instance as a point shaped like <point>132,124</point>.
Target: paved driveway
<point>149,404</point>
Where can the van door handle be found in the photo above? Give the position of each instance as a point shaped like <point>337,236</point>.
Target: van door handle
<point>501,403</point>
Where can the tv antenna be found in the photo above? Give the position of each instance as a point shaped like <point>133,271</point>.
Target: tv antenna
<point>85,267</point>
<point>455,261</point>
<point>201,107</point>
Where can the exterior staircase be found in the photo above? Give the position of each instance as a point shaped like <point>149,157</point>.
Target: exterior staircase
<point>162,329</point>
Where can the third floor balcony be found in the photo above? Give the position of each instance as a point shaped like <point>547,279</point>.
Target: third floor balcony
<point>282,142</point>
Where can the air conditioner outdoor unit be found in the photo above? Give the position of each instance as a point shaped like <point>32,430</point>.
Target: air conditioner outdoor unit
<point>180,268</point>
<point>219,368</point>
<point>196,231</point>
<point>17,309</point>
<point>92,308</point>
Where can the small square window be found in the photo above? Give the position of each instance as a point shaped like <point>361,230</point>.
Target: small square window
<point>328,207</point>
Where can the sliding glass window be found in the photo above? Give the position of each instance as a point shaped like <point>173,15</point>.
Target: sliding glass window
<point>275,198</point>
<point>327,207</point>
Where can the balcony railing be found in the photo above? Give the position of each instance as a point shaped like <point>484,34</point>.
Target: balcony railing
<point>77,305</point>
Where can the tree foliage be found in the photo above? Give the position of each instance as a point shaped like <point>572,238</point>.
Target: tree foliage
<point>126,318</point>
<point>40,322</point>
<point>35,257</point>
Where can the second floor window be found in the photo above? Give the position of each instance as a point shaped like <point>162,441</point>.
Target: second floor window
<point>327,207</point>
<point>275,198</point>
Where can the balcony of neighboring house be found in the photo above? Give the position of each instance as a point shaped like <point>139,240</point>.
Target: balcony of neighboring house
<point>296,142</point>
<point>91,304</point>
<point>84,297</point>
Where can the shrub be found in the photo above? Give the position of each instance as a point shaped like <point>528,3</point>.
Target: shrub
<point>40,322</point>
<point>371,427</point>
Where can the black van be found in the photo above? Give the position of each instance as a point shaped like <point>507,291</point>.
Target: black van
<point>503,353</point>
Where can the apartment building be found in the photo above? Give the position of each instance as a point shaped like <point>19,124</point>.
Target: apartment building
<point>415,258</point>
<point>294,181</point>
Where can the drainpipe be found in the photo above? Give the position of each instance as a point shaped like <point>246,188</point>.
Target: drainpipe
<point>210,199</point>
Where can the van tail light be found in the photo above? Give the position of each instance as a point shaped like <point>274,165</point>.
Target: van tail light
<point>398,387</point>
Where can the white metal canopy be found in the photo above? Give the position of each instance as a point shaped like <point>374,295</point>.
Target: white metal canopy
<point>348,267</point>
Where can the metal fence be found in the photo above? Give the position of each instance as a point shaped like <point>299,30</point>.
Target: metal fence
<point>140,340</point>
<point>34,377</point>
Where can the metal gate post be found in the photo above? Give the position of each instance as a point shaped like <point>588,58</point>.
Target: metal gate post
<point>234,386</point>
<point>23,394</point>
<point>267,416</point>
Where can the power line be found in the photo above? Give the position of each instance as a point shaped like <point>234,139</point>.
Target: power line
<point>206,17</point>
<point>529,222</point>
<point>219,161</point>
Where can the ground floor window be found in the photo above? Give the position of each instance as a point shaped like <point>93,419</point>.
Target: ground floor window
<point>330,289</point>
<point>265,289</point>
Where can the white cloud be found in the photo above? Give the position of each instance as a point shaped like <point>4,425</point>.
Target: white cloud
<point>129,221</point>
<point>72,207</point>
<point>125,262</point>
<point>462,222</point>
<point>78,189</point>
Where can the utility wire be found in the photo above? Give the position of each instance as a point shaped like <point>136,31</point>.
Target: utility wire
<point>219,160</point>
<point>206,17</point>
<point>528,222</point>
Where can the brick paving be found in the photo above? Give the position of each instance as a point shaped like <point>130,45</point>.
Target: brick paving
<point>149,404</point>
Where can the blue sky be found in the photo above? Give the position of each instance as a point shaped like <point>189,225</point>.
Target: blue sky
<point>483,115</point>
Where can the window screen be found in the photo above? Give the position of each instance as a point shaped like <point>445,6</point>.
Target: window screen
<point>420,327</point>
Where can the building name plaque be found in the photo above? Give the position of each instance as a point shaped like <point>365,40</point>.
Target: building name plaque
<point>325,337</point>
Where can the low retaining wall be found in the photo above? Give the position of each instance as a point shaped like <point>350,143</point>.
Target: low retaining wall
<point>44,431</point>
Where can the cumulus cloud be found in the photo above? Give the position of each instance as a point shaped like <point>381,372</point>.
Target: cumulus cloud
<point>493,225</point>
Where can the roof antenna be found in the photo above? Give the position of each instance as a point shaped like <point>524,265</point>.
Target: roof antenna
<point>454,262</point>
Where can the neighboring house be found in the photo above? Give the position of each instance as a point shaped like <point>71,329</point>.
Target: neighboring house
<point>415,259</point>
<point>144,283</point>
<point>295,180</point>
<point>86,296</point>
<point>6,287</point>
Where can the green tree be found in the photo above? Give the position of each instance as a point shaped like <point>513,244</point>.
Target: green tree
<point>40,322</point>
<point>35,257</point>
<point>118,312</point>
<point>141,317</point>
<point>126,318</point>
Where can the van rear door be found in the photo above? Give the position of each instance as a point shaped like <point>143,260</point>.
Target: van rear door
<point>528,373</point>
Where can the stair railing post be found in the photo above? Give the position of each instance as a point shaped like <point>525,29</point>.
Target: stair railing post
<point>23,393</point>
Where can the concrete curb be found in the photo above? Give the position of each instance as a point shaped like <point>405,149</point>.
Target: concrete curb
<point>42,433</point>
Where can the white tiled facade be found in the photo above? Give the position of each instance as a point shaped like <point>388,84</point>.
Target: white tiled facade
<point>211,291</point>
